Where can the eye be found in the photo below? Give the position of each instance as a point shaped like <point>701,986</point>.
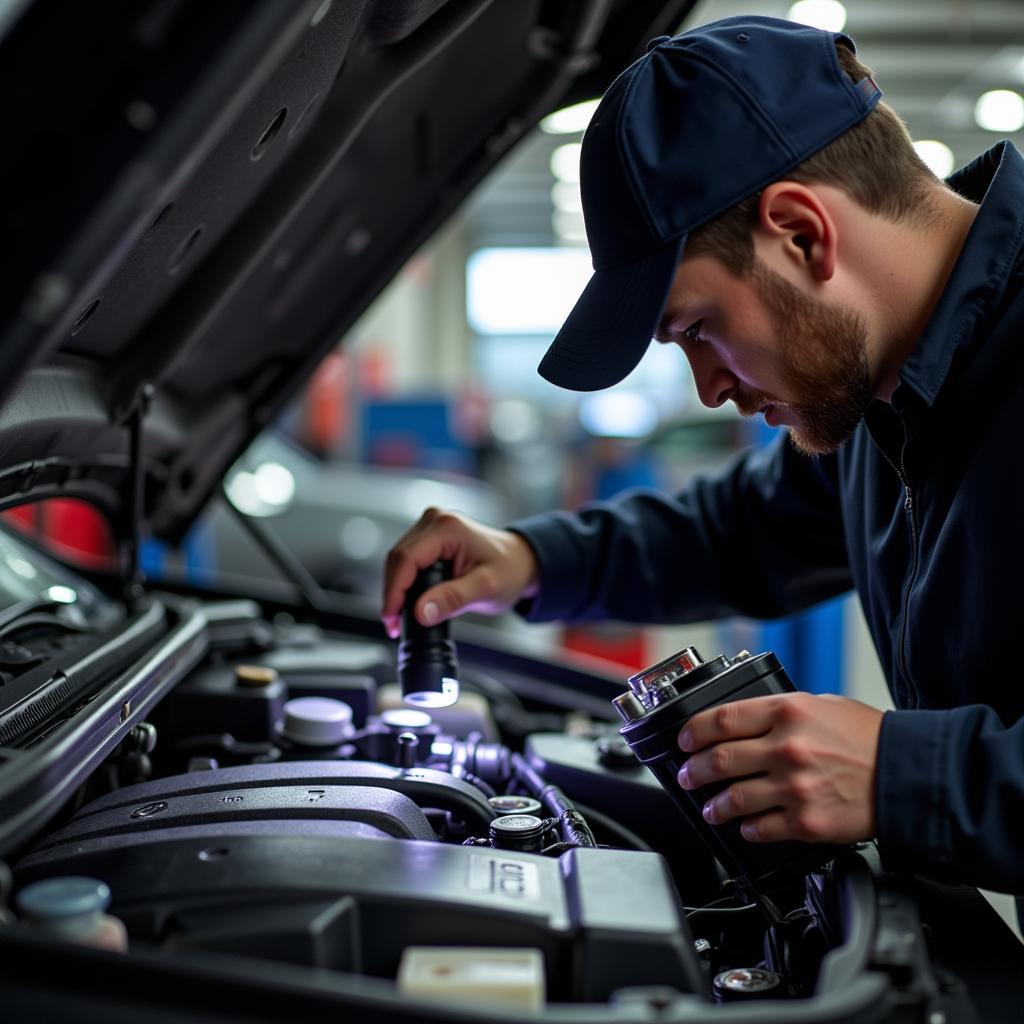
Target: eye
<point>692,333</point>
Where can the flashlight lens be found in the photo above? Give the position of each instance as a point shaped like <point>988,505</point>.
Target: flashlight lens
<point>447,695</point>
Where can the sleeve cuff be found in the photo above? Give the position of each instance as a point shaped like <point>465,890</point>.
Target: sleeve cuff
<point>559,566</point>
<point>910,802</point>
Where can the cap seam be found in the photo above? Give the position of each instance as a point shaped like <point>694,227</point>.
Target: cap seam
<point>624,155</point>
<point>856,104</point>
<point>858,112</point>
<point>762,117</point>
<point>701,54</point>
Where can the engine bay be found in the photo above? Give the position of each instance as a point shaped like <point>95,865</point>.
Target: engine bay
<point>246,784</point>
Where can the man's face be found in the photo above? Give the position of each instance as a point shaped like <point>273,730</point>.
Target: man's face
<point>763,344</point>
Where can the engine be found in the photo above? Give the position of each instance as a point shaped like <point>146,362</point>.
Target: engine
<point>280,805</point>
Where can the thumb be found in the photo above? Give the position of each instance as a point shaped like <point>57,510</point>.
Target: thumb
<point>453,597</point>
<point>445,601</point>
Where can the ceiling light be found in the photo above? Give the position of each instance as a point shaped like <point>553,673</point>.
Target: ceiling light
<point>1000,110</point>
<point>937,155</point>
<point>566,196</point>
<point>565,162</point>
<point>514,421</point>
<point>522,291</point>
<point>569,120</point>
<point>569,226</point>
<point>827,14</point>
<point>618,414</point>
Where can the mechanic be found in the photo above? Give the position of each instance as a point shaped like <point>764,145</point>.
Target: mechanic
<point>749,199</point>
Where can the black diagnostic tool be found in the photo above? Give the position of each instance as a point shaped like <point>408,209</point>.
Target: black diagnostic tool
<point>428,669</point>
<point>659,702</point>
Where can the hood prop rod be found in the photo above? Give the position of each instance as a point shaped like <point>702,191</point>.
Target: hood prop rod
<point>135,499</point>
<point>287,563</point>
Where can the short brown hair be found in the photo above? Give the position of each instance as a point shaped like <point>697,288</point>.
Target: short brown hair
<point>874,162</point>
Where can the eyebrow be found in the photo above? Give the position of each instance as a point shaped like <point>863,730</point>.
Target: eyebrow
<point>664,326</point>
<point>661,331</point>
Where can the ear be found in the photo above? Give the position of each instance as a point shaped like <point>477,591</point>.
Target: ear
<point>799,227</point>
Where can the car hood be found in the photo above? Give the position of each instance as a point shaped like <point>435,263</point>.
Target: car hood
<point>198,200</point>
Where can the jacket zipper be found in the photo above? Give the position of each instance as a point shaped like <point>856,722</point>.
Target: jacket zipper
<point>908,506</point>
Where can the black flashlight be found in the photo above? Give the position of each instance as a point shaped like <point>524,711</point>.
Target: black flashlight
<point>428,669</point>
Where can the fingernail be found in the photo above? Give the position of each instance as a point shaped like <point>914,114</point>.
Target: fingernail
<point>707,811</point>
<point>684,777</point>
<point>685,739</point>
<point>430,613</point>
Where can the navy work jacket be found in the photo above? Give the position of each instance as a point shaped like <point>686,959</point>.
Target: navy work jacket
<point>922,512</point>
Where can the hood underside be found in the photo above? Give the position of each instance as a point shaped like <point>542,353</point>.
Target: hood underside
<point>200,199</point>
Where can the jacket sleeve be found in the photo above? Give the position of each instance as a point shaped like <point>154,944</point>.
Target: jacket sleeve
<point>950,796</point>
<point>763,538</point>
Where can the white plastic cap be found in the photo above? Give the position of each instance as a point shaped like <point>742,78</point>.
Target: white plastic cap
<point>316,721</point>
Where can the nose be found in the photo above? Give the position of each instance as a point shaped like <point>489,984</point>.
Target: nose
<point>715,382</point>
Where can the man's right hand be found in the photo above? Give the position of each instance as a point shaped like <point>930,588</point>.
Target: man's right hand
<point>493,569</point>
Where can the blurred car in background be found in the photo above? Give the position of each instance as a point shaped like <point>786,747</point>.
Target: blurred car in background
<point>338,519</point>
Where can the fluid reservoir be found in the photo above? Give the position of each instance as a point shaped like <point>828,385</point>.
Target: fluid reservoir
<point>72,908</point>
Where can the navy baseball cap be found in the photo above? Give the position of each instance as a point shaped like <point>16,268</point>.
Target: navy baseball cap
<point>700,122</point>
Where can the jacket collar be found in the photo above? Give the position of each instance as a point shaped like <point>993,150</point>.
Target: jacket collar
<point>971,298</point>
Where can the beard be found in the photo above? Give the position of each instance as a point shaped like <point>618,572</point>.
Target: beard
<point>824,365</point>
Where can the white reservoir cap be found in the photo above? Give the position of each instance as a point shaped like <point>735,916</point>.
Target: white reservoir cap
<point>68,896</point>
<point>510,978</point>
<point>316,721</point>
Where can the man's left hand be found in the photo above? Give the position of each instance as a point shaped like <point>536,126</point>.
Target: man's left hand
<point>804,765</point>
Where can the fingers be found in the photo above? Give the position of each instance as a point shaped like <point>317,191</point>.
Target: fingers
<point>768,828</point>
<point>475,589</point>
<point>723,761</point>
<point>743,799</point>
<point>808,773</point>
<point>735,720</point>
<point>493,569</point>
<point>769,810</point>
<point>418,548</point>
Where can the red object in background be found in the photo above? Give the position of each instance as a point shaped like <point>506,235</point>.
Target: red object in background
<point>69,528</point>
<point>622,645</point>
<point>327,420</point>
<point>374,371</point>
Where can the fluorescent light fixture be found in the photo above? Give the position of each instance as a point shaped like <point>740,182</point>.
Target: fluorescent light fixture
<point>565,162</point>
<point>524,290</point>
<point>570,120</point>
<point>827,14</point>
<point>1001,110</point>
<point>565,195</point>
<point>514,421</point>
<point>568,226</point>
<point>618,414</point>
<point>937,155</point>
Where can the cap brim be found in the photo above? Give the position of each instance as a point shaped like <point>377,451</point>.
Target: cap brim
<point>610,327</point>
